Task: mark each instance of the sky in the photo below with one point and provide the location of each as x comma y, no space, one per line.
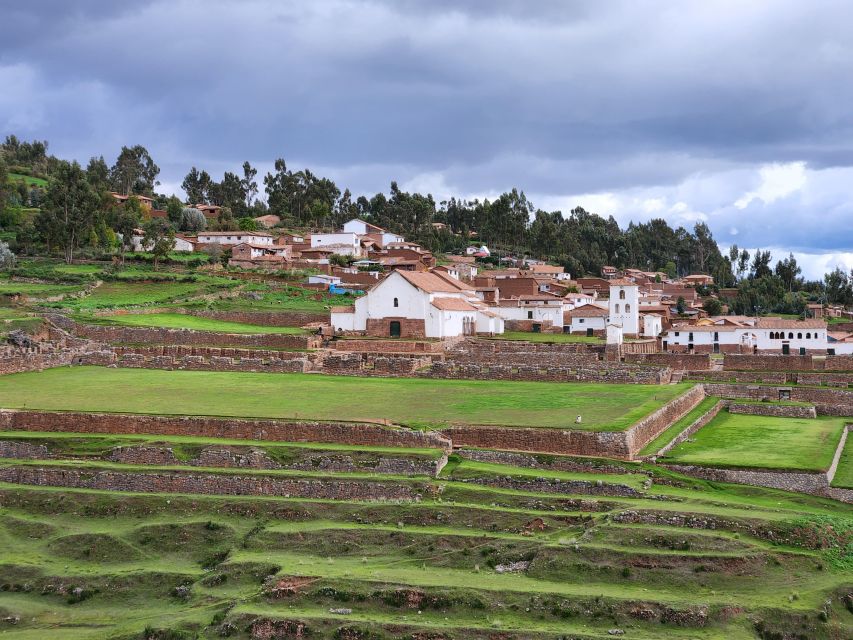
733,113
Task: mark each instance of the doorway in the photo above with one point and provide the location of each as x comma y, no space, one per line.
394,329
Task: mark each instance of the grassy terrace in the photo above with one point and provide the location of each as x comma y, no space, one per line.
844,474
184,321
677,427
85,565
734,440
424,403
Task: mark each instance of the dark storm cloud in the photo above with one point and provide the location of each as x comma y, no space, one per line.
558,98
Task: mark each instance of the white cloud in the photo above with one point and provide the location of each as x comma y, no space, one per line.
777,181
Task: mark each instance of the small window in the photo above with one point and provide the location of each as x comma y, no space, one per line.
627,308
808,336
716,337
676,334
621,294
617,307
799,336
580,320
530,315
690,336
396,302
790,335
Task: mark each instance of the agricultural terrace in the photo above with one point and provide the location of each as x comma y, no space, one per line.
735,440
413,402
185,321
844,473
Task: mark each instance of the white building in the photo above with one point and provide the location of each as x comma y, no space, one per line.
343,243
624,306
181,243
411,304
546,311
589,319
652,325
362,228
748,335
235,237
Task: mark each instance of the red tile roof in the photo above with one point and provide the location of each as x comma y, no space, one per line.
453,304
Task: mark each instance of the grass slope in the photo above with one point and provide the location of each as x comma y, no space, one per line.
735,440
548,337
402,400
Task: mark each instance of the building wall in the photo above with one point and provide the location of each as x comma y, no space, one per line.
629,320
580,325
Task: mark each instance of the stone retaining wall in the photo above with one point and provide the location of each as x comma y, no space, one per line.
656,423
236,428
773,410
768,362
243,457
540,461
557,486
677,361
813,483
827,401
765,377
201,363
209,484
389,346
692,428
190,337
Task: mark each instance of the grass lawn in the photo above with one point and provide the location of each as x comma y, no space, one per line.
288,298
424,403
184,321
844,474
548,337
734,440
666,437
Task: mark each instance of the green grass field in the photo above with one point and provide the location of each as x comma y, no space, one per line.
548,337
404,400
185,321
735,440
844,473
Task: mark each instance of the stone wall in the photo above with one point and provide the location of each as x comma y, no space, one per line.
202,363
839,363
768,363
388,346
677,361
692,428
154,335
773,410
541,461
268,318
244,457
355,433
209,484
557,486
827,401
656,423
765,377
813,483
601,372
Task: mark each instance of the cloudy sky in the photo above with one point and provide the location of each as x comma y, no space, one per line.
736,113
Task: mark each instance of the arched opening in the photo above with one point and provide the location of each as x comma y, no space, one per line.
790,335
799,336
622,294
808,336
396,302
617,307
627,308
